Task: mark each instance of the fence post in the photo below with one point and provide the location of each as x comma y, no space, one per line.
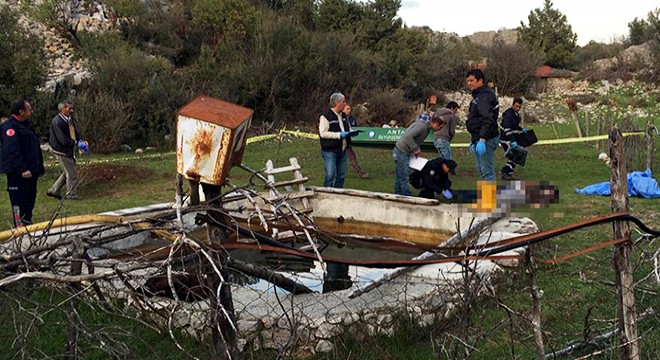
626,311
649,146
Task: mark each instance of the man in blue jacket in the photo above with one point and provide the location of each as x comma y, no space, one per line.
21,160
482,124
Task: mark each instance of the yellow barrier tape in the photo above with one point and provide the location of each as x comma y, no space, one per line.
541,142
256,139
302,134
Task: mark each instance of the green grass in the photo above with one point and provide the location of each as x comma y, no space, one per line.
567,299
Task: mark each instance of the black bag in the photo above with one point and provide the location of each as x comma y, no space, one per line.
518,155
527,139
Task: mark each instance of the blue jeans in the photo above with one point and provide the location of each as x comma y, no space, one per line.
401,172
335,168
443,147
486,162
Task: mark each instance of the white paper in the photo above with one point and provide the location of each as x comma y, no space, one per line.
417,163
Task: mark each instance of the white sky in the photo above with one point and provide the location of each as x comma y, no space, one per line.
602,21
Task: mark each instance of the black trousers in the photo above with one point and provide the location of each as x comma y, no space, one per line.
510,166
23,196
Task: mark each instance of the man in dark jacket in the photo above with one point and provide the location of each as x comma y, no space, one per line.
64,141
433,178
482,124
21,160
509,132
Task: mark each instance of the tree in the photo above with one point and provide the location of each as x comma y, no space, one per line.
549,32
512,66
642,30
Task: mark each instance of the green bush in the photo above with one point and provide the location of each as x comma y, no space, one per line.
103,120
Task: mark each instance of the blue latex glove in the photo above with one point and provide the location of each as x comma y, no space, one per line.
524,130
343,134
471,148
481,148
447,194
82,146
514,144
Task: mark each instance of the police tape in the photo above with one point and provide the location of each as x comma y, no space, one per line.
256,139
541,142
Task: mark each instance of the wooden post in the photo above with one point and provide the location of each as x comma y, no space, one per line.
586,124
71,350
572,106
649,146
626,311
599,126
536,293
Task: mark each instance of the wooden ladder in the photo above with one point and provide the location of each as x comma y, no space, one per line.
293,189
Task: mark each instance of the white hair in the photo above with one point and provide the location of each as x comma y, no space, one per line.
336,98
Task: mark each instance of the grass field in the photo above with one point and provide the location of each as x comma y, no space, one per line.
573,291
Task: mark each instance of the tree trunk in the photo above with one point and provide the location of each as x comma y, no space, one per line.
223,322
626,312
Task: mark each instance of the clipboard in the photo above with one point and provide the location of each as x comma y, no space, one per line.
417,163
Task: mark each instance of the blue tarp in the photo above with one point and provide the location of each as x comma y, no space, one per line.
640,183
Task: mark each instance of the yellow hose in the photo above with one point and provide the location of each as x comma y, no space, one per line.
77,220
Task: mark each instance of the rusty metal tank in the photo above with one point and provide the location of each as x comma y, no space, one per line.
211,135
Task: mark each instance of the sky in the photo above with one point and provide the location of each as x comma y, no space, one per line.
602,21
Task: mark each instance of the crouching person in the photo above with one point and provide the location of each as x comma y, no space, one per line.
434,178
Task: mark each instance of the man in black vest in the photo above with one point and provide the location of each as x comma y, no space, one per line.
334,134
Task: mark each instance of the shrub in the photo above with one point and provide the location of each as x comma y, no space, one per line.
388,105
22,63
104,120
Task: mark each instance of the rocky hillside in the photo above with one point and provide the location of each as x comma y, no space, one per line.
64,63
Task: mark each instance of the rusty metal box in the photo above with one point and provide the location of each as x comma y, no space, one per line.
210,138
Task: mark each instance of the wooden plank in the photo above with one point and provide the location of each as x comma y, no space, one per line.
272,192
381,196
281,215
282,169
293,196
289,182
298,175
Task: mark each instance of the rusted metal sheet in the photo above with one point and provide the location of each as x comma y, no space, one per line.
216,111
211,135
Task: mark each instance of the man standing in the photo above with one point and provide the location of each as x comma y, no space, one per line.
21,160
444,136
509,132
64,141
482,124
350,154
334,134
409,144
